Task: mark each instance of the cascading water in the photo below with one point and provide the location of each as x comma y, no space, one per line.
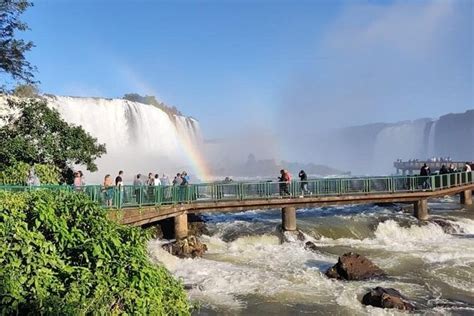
431,140
140,138
404,140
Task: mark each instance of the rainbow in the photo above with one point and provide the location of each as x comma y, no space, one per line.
195,158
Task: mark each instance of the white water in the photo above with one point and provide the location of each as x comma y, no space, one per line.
404,140
139,138
431,140
246,262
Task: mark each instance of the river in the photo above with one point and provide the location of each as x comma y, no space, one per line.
248,271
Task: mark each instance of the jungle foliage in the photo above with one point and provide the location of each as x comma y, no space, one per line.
33,133
151,100
60,255
18,173
13,49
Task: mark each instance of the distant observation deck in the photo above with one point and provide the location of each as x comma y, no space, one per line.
414,166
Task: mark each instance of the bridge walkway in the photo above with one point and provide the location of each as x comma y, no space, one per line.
139,205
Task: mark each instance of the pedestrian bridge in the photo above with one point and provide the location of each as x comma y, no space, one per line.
140,205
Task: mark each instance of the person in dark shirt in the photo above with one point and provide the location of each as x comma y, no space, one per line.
304,183
119,179
425,172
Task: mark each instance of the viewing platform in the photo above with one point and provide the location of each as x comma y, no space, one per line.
412,167
140,205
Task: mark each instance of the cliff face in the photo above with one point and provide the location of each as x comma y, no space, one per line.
454,135
372,148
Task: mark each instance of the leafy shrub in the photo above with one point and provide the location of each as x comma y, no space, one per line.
59,254
17,173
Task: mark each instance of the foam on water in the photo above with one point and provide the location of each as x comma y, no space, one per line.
246,259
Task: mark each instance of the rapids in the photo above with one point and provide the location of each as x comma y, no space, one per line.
247,271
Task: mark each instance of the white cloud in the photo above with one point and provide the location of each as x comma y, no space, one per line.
408,27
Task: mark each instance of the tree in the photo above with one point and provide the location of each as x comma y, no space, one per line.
36,134
12,50
26,91
151,100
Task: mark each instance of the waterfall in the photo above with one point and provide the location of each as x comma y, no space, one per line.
405,140
140,138
431,140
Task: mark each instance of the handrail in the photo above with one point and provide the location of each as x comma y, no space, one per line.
137,196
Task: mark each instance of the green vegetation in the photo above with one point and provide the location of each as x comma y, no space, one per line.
12,50
60,255
36,134
17,174
151,100
26,91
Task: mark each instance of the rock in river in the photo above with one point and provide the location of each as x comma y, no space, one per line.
189,247
352,266
387,298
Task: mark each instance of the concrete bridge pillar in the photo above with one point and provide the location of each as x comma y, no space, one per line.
466,197
288,218
421,209
181,226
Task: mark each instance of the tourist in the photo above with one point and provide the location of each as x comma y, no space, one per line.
165,180
177,180
81,175
32,179
425,172
185,177
119,179
304,183
108,189
452,168
467,167
284,181
156,180
150,181
443,170
138,187
77,182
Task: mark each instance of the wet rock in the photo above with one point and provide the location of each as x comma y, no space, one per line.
193,287
197,229
156,231
292,236
190,247
387,298
448,227
352,266
309,245
197,226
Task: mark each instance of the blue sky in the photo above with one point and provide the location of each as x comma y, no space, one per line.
259,66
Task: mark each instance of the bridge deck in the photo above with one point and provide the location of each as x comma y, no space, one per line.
138,205
149,214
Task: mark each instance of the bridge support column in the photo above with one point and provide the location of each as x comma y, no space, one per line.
421,209
288,218
466,197
181,226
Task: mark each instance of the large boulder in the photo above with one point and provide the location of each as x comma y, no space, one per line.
352,266
387,298
189,247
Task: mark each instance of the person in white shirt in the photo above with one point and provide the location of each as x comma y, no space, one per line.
157,180
467,167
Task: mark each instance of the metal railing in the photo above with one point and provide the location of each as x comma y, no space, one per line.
136,196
